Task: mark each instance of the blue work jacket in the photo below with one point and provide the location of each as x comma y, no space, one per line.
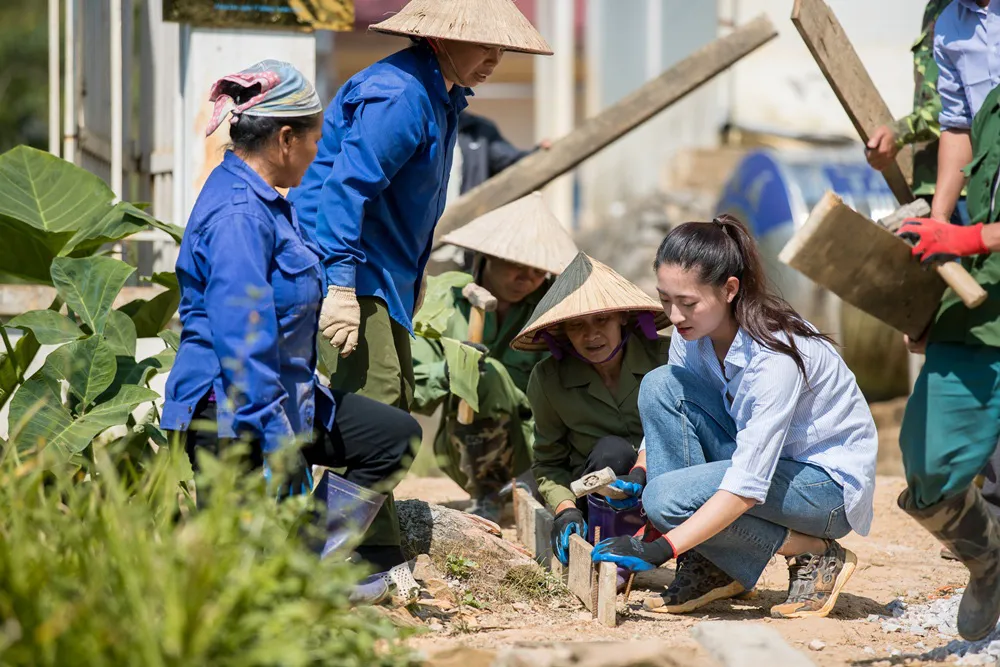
251,286
377,187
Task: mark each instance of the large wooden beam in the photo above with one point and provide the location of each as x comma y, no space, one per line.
847,76
537,169
866,265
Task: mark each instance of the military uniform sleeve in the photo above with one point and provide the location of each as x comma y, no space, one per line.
551,464
922,124
431,380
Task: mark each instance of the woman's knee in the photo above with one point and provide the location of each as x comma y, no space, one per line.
663,386
666,503
613,452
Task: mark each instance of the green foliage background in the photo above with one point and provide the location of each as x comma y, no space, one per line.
23,73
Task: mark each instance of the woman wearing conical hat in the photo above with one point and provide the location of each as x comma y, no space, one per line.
517,246
602,333
373,195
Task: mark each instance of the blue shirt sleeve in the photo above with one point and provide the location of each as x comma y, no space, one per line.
762,409
385,133
236,252
956,113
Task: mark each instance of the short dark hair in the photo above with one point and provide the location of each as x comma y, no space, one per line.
251,134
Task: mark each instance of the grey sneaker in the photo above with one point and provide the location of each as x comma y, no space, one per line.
815,582
488,507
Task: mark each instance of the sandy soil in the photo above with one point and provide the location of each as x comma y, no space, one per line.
898,559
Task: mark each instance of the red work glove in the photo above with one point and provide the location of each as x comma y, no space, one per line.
936,241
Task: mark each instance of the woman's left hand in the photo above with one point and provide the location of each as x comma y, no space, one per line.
632,553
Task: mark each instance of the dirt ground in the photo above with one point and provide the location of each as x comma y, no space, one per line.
898,559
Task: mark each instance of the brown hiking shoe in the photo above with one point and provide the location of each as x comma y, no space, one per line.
815,582
698,581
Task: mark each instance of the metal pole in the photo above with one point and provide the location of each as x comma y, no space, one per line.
69,92
116,97
564,102
654,38
54,105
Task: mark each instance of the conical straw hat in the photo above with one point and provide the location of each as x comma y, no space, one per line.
524,231
490,22
584,288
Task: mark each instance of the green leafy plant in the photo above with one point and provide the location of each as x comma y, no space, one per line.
460,567
52,210
95,364
122,570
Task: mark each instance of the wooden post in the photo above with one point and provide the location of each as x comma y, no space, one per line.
541,167
847,76
580,567
534,525
607,594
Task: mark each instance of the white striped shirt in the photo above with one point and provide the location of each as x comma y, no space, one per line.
822,419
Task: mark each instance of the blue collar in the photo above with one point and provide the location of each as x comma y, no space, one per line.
235,165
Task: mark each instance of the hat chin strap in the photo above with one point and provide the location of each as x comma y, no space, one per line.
440,48
645,322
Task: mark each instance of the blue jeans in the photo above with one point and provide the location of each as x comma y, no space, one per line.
690,440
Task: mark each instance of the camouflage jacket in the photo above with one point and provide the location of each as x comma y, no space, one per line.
921,126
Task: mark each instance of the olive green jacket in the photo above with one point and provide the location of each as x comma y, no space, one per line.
442,324
956,323
921,126
573,409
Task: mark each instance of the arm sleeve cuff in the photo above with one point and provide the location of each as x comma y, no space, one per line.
556,495
342,275
949,122
745,484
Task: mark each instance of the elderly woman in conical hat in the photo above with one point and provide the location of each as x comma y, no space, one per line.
601,331
373,195
518,247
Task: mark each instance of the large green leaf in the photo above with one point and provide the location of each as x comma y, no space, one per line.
121,221
87,365
49,327
152,316
120,334
50,207
139,373
431,321
171,338
89,286
39,419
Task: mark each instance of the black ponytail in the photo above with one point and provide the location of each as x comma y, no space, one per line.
724,249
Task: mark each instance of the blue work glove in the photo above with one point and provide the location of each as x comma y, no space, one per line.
631,484
566,523
298,480
632,553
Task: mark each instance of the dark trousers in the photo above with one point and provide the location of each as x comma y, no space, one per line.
612,452
369,440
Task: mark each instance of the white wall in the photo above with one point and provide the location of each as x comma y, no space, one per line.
780,86
622,56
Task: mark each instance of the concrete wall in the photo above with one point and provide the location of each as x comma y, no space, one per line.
780,86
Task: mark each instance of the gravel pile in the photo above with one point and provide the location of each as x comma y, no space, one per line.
938,618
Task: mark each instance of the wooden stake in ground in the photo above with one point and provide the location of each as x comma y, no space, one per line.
540,167
825,38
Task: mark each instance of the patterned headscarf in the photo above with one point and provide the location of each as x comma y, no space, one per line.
282,92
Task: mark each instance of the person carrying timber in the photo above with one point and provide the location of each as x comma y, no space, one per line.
517,247
920,128
951,425
758,440
601,332
373,195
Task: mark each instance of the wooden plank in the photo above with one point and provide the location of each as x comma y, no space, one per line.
540,167
865,265
607,594
580,568
534,525
851,83
743,644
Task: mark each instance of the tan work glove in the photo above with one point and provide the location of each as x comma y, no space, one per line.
340,319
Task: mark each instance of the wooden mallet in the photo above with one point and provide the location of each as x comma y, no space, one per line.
482,302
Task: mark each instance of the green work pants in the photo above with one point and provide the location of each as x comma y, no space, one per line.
380,368
952,421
